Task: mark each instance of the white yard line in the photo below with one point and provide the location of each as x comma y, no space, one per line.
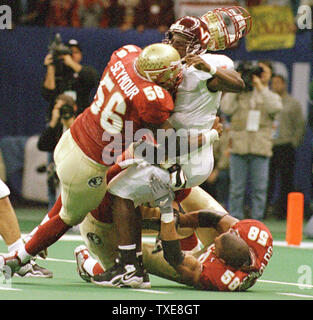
304,286
151,291
9,289
295,295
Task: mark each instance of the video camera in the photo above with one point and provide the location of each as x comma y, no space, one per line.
57,48
247,70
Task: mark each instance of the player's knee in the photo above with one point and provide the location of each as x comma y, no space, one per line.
70,219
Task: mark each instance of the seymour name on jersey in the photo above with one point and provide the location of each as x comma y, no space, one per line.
124,81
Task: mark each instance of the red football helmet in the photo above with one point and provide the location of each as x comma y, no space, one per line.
194,30
227,26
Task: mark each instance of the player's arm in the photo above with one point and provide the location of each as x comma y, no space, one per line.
171,144
226,80
220,221
187,266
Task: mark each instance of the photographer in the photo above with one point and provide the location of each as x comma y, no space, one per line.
62,117
251,129
66,74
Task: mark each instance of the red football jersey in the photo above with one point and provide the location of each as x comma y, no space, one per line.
124,103
216,275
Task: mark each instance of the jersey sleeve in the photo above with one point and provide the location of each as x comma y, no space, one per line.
216,60
219,60
156,105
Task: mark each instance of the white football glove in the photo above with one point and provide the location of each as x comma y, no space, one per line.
163,198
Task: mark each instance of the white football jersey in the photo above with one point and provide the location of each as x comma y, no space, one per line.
195,105
195,108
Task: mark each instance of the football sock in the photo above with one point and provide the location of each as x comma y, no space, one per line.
56,208
18,244
46,235
128,254
92,267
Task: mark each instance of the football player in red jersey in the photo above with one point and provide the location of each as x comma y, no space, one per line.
232,262
235,260
132,91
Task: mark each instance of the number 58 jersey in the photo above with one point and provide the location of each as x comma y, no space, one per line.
124,103
216,275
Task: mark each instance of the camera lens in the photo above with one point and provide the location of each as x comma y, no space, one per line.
66,112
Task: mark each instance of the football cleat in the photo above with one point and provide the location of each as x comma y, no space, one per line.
146,284
33,270
81,255
120,276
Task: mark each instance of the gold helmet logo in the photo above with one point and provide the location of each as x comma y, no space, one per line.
159,63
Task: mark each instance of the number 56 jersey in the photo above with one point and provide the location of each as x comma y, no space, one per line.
216,275
124,103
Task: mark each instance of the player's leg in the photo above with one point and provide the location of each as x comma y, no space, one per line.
127,271
10,232
156,264
198,199
101,252
9,228
83,185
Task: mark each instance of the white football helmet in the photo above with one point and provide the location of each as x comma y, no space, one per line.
161,64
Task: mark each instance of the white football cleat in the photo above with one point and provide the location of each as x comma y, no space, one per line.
33,270
81,255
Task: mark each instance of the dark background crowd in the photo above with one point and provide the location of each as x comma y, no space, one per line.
124,14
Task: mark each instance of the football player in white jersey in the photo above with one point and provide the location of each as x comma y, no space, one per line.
205,77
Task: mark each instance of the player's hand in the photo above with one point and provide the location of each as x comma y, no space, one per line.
147,150
218,126
177,177
162,194
197,62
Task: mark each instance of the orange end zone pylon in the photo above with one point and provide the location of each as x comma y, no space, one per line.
295,207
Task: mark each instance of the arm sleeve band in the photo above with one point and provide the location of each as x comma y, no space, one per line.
210,219
154,224
172,252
